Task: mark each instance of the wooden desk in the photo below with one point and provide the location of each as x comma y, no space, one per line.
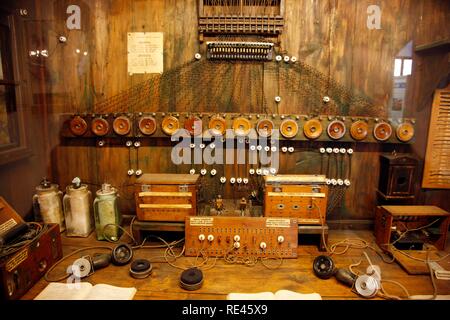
294,274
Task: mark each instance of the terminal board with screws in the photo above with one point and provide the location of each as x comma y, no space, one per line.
241,236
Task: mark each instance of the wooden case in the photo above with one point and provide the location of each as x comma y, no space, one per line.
166,197
389,218
397,176
20,271
296,196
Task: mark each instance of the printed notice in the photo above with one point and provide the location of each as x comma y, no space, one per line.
145,52
16,260
278,223
201,221
5,227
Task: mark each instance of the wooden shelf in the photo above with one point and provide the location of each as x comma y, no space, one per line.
442,45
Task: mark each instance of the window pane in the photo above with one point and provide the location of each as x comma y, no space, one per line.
407,67
5,54
4,126
1,65
398,68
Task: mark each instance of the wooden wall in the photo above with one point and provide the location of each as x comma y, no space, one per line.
331,36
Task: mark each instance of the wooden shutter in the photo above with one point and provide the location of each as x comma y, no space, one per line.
436,173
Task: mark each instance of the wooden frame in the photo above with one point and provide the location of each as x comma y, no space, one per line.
20,148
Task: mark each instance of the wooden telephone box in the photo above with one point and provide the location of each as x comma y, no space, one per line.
166,197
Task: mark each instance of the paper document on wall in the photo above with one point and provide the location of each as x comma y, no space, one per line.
145,52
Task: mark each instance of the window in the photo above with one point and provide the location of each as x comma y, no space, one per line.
12,134
402,67
8,134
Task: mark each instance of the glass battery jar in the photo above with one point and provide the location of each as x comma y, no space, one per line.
77,210
47,203
106,213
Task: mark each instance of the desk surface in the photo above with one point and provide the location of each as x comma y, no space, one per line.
294,274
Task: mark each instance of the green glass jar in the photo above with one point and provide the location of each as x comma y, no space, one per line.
106,213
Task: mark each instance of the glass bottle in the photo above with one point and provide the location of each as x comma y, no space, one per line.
107,214
77,210
48,205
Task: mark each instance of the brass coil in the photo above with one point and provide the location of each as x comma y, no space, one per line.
147,125
170,125
100,127
264,127
289,128
359,130
241,126
122,125
336,129
312,129
217,126
405,132
193,125
382,131
78,126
